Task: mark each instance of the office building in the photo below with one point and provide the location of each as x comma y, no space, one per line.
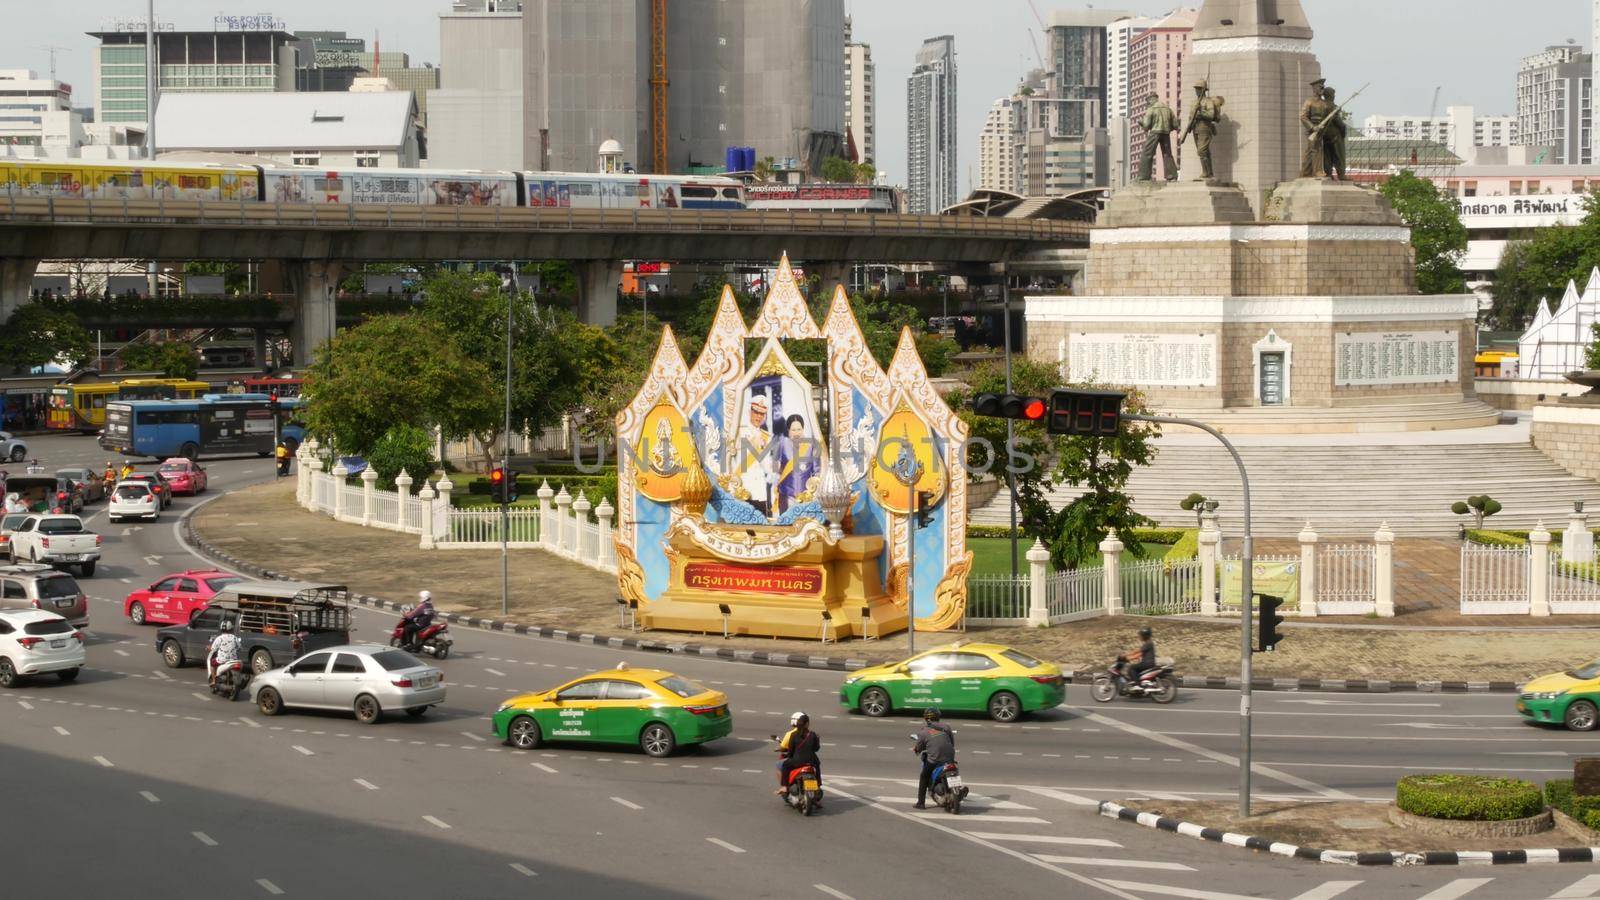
189,62
767,74
333,61
931,136
1553,103
1459,129
37,112
477,110
999,151
328,129
1155,66
1120,35
860,96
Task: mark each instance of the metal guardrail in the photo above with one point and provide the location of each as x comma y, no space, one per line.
15,209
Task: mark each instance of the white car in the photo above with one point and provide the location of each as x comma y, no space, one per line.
134,500
367,679
36,642
12,447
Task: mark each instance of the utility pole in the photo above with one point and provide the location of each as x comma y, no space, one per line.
1011,478
505,456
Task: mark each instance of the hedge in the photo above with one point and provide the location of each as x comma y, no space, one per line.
1496,538
1558,794
1473,797
1186,548
1147,535
1583,806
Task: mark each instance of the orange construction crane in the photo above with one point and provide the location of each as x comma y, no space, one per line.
658,86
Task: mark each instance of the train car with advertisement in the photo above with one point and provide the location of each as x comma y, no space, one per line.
823,197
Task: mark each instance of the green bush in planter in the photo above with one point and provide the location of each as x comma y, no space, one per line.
1558,794
1472,797
1592,819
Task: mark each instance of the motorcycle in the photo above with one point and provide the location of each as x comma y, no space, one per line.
435,639
804,790
1157,684
946,787
232,679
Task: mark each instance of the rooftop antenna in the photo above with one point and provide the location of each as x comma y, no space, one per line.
53,50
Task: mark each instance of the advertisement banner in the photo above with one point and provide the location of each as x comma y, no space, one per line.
1276,579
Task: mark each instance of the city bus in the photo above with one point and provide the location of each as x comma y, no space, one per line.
82,407
284,388
211,425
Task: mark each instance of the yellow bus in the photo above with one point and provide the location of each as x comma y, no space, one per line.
82,407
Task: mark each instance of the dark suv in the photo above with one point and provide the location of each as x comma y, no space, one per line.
42,587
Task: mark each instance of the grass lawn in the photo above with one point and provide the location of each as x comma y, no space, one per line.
992,556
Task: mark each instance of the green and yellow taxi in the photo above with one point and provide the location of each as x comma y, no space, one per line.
1001,681
653,708
1571,698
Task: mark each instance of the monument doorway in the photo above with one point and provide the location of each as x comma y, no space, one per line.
1271,388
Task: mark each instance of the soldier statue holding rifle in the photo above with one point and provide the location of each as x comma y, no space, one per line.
1203,124
1323,121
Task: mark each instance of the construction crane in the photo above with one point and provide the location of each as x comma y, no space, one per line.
658,86
1043,28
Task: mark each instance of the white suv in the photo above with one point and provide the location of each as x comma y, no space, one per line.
133,499
35,642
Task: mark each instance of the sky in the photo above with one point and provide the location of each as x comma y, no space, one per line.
1405,48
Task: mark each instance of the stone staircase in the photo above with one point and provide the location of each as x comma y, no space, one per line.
1348,490
1414,415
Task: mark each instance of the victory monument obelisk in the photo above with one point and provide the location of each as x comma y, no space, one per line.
1255,298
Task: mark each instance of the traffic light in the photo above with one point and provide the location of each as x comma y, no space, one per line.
497,485
1091,413
1010,406
924,510
511,486
1267,635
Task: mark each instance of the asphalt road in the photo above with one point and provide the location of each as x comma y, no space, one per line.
135,781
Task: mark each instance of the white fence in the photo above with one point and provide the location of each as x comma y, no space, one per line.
997,599
1494,580
1574,587
1158,588
561,524
1346,579
1075,594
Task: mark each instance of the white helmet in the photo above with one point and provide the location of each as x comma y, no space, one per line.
795,719
424,597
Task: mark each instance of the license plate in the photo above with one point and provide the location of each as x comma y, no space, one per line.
69,557
954,781
811,784
57,645
63,604
427,682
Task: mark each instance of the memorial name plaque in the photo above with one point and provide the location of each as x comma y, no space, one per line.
1170,360
1405,357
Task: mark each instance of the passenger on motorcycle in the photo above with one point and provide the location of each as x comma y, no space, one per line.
417,619
800,747
224,650
936,743
1145,653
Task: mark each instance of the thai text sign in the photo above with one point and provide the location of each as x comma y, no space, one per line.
709,576
1178,360
1275,579
1407,357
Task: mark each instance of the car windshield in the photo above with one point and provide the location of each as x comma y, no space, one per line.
1020,658
395,660
217,584
1592,670
11,522
48,626
60,526
58,586
683,687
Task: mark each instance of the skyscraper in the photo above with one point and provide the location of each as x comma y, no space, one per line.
860,95
1155,66
931,135
1120,35
1554,106
477,109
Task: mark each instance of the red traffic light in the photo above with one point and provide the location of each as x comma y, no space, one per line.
1033,409
497,475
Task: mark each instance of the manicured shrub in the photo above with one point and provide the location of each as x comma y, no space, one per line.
1558,794
1474,797
1581,805
1187,548
1496,538
1592,819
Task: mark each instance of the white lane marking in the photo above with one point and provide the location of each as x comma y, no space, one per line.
839,895
725,845
200,696
120,652
1189,893
1018,820
1327,890
249,721
162,675
304,750
522,869
475,737
152,560
25,704
495,672
1044,839
1458,888
104,762
366,784
627,803
1361,703
269,887
204,838
1120,863
62,731
437,823
1586,886
150,797
544,768
1198,750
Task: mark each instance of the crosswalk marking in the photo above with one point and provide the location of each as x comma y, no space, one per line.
1044,839
1458,888
1187,893
978,802
1017,820
1327,890
1587,886
1122,863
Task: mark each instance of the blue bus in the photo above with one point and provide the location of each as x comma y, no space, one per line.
212,425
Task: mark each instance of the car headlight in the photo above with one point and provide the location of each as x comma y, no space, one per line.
503,707
851,680
1544,695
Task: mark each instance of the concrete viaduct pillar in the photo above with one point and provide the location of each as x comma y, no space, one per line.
315,283
16,284
598,282
832,273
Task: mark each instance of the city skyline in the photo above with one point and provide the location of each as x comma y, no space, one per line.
1357,40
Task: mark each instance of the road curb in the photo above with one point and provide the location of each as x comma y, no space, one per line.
850,664
1351,857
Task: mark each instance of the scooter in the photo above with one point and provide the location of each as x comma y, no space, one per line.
804,790
946,788
232,679
435,639
1157,684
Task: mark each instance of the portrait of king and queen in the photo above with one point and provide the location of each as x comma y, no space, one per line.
777,449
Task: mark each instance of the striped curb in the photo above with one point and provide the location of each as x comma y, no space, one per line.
849,664
1352,857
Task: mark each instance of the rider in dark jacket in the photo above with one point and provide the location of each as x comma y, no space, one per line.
800,747
936,744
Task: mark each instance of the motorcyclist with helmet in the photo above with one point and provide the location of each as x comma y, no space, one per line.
799,747
224,651
936,744
1144,654
417,619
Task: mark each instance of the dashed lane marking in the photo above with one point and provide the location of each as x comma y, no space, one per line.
104,762
475,737
725,845
249,721
840,895
152,798
626,803
544,768
495,672
204,838
303,750
523,870
62,731
366,784
269,887
25,704
437,823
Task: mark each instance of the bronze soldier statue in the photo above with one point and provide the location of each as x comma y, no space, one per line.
1324,129
1203,123
1336,132
1158,123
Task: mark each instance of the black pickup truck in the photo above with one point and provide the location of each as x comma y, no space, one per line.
276,621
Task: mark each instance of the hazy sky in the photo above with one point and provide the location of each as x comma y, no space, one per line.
1406,48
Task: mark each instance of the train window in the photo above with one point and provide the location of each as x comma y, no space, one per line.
328,184
699,193
582,189
731,193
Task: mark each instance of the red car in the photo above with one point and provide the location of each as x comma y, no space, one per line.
183,475
175,599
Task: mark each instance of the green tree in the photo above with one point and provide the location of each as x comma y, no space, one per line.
1437,235
175,359
1592,355
1541,266
866,172
40,334
838,169
765,168
402,447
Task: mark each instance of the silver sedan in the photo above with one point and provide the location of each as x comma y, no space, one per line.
367,679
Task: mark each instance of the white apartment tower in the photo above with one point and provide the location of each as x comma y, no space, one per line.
860,95
1119,38
1553,103
37,112
999,150
931,135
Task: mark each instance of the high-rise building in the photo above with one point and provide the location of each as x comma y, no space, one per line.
1459,129
931,136
332,61
37,112
860,95
1120,35
1155,66
1553,103
999,153
477,109
189,61
1078,66
767,74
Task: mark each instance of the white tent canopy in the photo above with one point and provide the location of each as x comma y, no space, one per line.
1555,344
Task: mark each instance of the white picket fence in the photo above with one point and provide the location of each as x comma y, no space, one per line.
1574,587
1346,579
483,526
1494,580
1075,594
1158,588
997,599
